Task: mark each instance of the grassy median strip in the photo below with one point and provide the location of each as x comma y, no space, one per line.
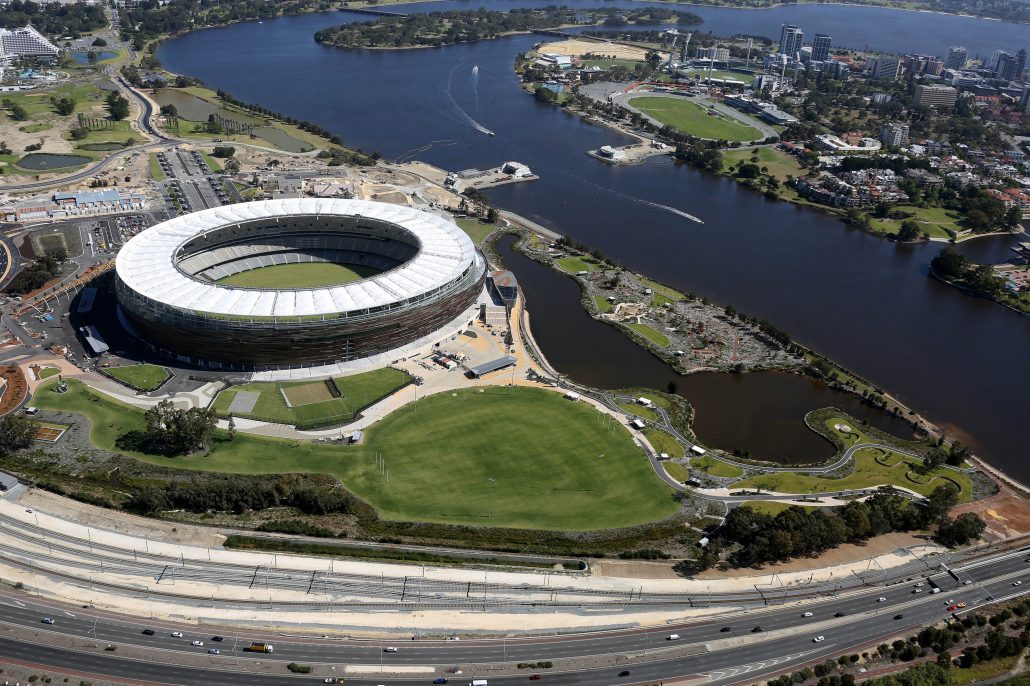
511,457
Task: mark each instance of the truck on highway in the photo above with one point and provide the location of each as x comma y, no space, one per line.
261,648
478,682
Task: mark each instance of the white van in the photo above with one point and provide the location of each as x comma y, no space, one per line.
478,682
672,637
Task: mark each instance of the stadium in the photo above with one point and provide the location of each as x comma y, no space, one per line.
298,283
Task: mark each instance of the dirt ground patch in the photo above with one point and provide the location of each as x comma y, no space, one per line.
110,520
14,390
317,392
633,569
1006,514
846,553
576,47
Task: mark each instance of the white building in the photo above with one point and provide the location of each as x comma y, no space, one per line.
894,134
26,42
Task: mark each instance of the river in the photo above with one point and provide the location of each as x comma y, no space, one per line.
861,301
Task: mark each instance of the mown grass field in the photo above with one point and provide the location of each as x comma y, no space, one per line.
356,392
780,164
663,442
651,334
873,467
476,229
715,467
676,471
936,221
541,451
574,265
156,172
772,507
145,377
645,413
691,118
602,304
305,275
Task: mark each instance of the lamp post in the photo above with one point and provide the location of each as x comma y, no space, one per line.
490,500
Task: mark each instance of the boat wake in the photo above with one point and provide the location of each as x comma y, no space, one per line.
668,209
465,116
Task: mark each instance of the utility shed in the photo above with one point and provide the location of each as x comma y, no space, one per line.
492,366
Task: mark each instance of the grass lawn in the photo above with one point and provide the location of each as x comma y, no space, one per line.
356,392
35,128
645,413
42,101
691,118
936,221
653,335
676,471
145,377
608,64
212,164
663,442
982,671
602,303
476,229
719,74
663,290
873,467
156,172
772,507
574,265
714,467
779,163
540,450
304,275
47,372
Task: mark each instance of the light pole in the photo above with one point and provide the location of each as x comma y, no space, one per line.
490,500
597,475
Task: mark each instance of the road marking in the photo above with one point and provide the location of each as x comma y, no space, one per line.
13,603
720,674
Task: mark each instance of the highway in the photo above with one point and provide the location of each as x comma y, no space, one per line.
723,656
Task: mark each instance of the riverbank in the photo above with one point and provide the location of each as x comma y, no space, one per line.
1022,306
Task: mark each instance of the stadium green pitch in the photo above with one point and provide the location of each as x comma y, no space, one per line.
304,275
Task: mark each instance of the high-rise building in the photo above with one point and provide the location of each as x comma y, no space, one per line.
894,134
26,42
821,47
884,67
995,58
790,40
1024,99
956,58
936,96
933,66
1020,64
1005,67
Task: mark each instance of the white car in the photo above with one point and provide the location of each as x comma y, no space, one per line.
807,614
917,590
672,637
214,651
1017,583
818,639
881,599
176,634
389,649
199,644
967,582
919,584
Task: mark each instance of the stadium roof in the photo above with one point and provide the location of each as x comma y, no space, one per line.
146,263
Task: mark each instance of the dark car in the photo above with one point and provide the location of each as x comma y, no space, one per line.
757,630
148,632
218,638
624,672
898,616
440,680
839,614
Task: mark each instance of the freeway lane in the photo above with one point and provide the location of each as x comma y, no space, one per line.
996,576
731,660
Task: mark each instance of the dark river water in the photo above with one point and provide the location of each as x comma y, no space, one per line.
862,301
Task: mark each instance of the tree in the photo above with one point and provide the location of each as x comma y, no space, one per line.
653,59
16,432
959,531
117,106
909,231
232,166
225,151
18,112
177,432
1013,216
949,263
170,110
491,215
99,43
64,106
79,133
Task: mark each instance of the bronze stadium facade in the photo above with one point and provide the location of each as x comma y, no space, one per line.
428,273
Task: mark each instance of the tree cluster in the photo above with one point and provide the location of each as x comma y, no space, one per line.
952,265
171,431
117,105
445,28
797,532
39,272
151,18
16,432
54,18
227,494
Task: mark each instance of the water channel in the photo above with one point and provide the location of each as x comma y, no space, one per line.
860,300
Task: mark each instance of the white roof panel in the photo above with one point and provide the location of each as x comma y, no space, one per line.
146,263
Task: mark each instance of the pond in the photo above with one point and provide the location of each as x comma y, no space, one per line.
83,57
193,108
45,161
